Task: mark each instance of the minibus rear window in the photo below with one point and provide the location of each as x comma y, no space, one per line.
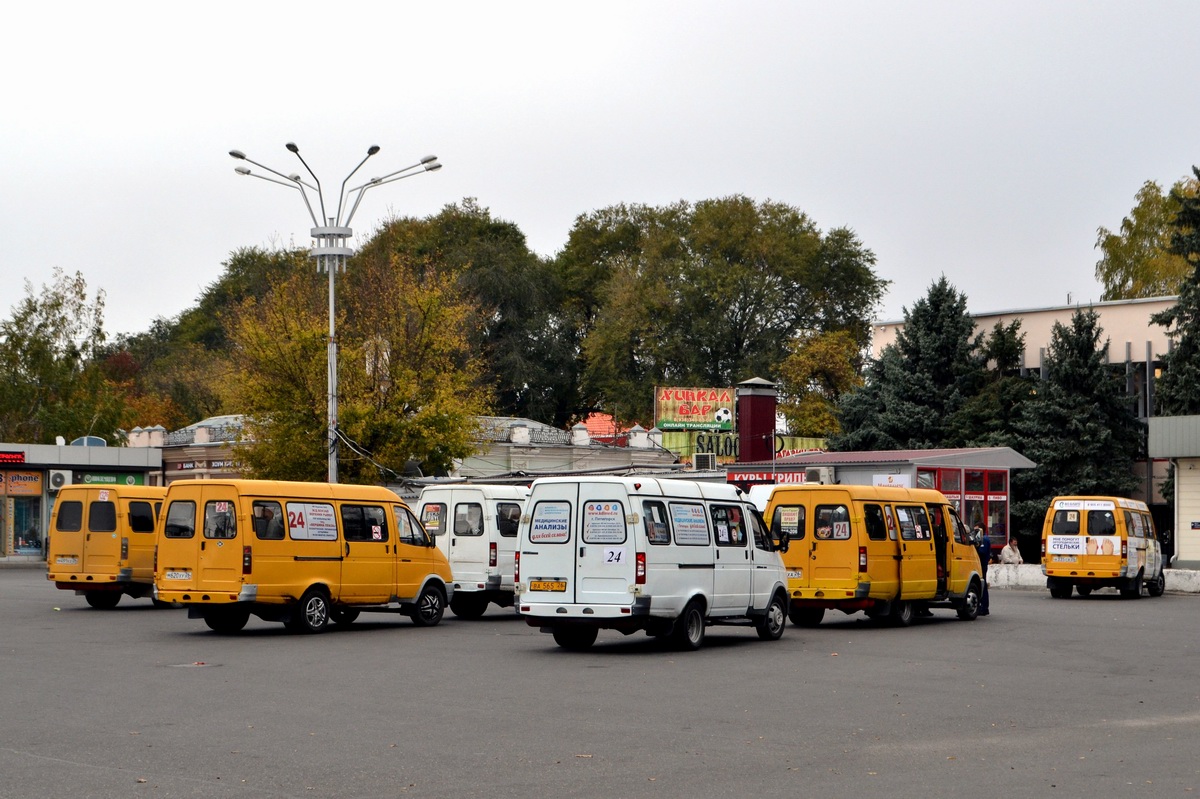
433,517
604,522
832,522
70,517
550,523
1101,522
468,519
102,517
141,517
181,519
788,521
508,518
1066,522
219,519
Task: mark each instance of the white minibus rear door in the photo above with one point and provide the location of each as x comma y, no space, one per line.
547,544
606,553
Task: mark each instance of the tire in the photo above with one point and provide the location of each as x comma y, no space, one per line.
968,610
1133,588
575,638
468,606
1084,590
806,617
343,617
311,614
770,626
902,613
688,634
103,600
1158,585
226,621
1059,591
430,607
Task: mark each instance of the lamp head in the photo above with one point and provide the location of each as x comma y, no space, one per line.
374,148
294,176
428,159
238,154
434,167
241,170
292,147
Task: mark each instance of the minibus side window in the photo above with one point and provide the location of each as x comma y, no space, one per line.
787,521
410,530
876,524
762,538
219,519
1133,524
1066,522
433,517
655,520
908,524
1101,522
70,517
102,517
268,520
181,519
832,522
1148,526
364,523
690,524
730,524
603,522
468,519
960,529
141,517
508,518
891,521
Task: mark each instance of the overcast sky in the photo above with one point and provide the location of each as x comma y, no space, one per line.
983,141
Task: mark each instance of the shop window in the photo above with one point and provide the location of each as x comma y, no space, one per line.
951,481
975,482
997,482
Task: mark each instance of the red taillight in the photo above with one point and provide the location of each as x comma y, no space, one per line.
640,569
1124,548
862,559
492,554
124,549
516,566
247,560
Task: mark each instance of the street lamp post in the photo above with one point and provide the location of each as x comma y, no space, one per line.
331,250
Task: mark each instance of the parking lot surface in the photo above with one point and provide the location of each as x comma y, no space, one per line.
1089,697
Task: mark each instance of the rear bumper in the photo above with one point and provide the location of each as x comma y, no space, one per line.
538,614
248,593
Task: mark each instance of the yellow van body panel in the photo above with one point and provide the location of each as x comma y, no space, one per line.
81,558
210,565
901,558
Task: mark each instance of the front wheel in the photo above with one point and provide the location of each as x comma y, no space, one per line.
770,626
312,614
969,609
689,627
103,600
1158,585
575,638
468,606
431,604
343,616
226,621
902,613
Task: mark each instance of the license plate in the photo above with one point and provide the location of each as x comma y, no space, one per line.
178,575
547,585
1063,558
796,575
66,561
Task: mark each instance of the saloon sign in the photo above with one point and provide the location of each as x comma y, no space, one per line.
694,408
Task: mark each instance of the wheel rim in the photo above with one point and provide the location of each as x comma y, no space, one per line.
972,602
695,626
316,613
775,617
431,605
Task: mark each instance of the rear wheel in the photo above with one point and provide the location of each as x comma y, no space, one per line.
1132,589
311,615
902,613
770,626
1084,590
1061,591
575,638
1158,585
689,627
431,605
103,600
468,606
806,617
226,621
343,616
969,609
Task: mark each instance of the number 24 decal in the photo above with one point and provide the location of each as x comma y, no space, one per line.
614,555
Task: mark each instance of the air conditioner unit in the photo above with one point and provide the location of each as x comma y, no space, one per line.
822,475
59,478
704,461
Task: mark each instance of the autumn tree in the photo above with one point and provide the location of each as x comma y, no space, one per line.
704,294
409,385
819,368
53,382
1138,260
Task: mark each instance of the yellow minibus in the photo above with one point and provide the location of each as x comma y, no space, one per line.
101,542
304,554
891,553
1101,542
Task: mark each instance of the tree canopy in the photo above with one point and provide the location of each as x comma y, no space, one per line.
1138,260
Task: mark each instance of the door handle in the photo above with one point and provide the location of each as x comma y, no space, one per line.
202,546
347,549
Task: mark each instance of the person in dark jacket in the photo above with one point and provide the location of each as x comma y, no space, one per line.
983,545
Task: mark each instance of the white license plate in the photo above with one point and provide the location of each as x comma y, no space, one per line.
796,575
65,561
178,575
1064,558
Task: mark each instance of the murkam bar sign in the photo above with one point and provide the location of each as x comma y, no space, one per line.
693,408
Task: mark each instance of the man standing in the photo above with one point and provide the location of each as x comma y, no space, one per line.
983,545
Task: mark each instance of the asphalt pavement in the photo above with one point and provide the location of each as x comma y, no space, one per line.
1091,697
